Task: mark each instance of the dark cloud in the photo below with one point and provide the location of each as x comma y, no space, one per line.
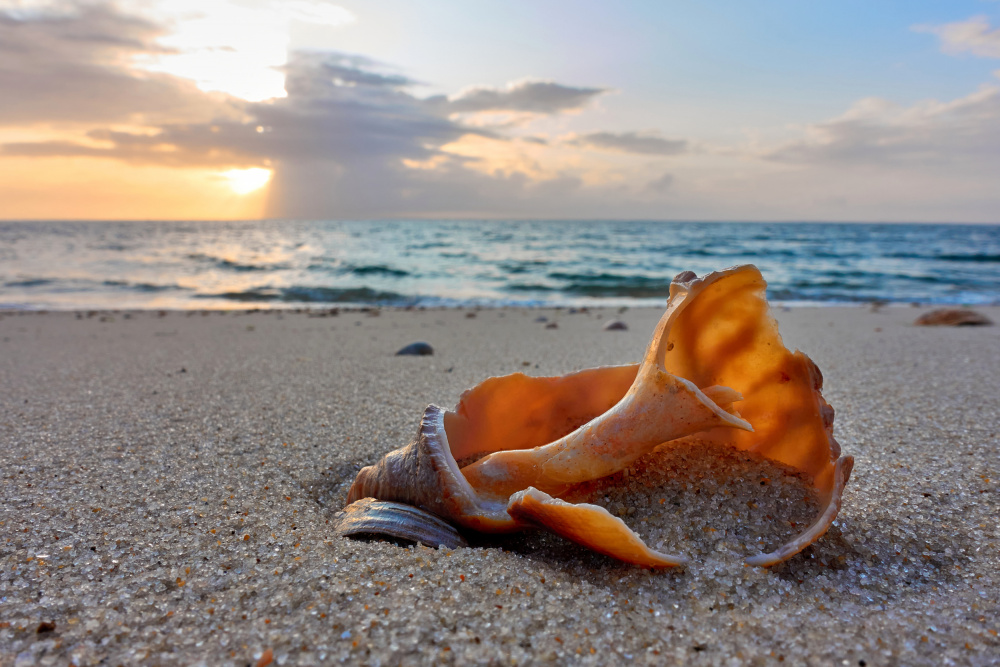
311,73
630,142
543,97
71,64
334,111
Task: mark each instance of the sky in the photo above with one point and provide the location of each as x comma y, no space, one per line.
373,109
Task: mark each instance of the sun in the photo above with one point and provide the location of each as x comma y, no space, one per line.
245,181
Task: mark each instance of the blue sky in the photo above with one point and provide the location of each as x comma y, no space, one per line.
817,55
673,110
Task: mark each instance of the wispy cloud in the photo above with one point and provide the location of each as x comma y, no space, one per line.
543,97
316,12
970,36
631,142
876,132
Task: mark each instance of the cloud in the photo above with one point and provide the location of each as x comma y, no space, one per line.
312,72
334,111
630,142
659,186
338,144
873,132
350,139
971,36
542,97
62,63
317,13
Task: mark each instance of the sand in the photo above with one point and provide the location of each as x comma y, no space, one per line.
168,481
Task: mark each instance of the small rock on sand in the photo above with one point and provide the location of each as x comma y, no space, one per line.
417,349
616,325
953,317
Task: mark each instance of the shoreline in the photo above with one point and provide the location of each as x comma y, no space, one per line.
239,307
327,310
168,483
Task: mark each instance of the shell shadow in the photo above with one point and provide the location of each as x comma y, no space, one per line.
329,490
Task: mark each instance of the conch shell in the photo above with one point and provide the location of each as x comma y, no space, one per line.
530,440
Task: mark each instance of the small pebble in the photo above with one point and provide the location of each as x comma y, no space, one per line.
616,325
417,349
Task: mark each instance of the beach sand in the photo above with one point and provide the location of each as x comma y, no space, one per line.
168,481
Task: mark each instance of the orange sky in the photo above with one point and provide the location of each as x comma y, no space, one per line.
95,188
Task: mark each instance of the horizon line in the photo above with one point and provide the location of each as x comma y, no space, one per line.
511,219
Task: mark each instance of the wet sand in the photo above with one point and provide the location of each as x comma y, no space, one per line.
167,484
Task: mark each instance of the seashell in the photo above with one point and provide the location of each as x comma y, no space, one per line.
953,317
524,442
378,517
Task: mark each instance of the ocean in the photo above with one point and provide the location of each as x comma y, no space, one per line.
280,264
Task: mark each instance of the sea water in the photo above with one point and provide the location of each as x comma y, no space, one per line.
253,264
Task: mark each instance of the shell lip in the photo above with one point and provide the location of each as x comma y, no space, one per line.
818,528
369,518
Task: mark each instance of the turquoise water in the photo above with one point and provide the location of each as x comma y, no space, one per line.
198,265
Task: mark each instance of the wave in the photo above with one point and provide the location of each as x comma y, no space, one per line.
515,267
612,284
312,294
231,265
969,258
948,257
29,282
142,287
332,265
74,285
376,270
818,296
429,245
735,250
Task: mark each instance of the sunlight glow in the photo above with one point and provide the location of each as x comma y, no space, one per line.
245,181
235,48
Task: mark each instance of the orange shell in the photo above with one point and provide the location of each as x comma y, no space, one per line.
715,345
